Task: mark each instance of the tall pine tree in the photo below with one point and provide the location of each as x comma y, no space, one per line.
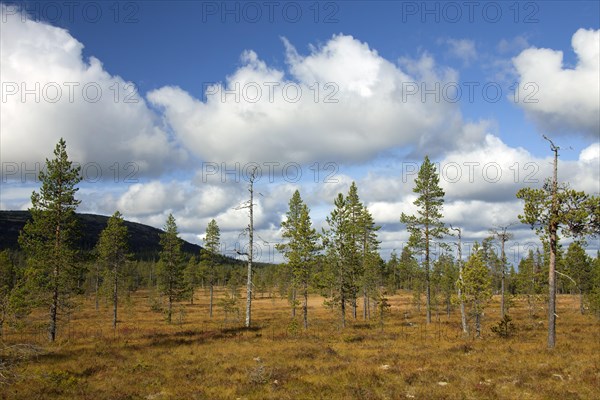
427,225
48,238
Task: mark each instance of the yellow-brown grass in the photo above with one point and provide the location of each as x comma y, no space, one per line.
209,359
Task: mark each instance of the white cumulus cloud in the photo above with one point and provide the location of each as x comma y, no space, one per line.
50,91
560,99
343,103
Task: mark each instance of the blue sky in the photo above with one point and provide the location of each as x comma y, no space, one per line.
375,57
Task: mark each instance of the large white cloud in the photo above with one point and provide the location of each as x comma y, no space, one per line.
49,91
354,104
567,100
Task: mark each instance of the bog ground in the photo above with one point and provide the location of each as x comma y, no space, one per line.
199,358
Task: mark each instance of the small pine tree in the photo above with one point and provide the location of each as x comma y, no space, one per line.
231,310
383,307
212,243
476,286
505,328
593,298
171,267
579,268
191,275
7,285
112,251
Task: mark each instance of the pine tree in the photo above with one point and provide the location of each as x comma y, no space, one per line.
529,282
7,285
48,237
355,228
212,243
426,226
300,250
15,299
408,269
345,250
476,286
491,260
593,298
578,267
290,249
191,277
338,248
112,251
552,210
445,272
393,272
370,260
171,267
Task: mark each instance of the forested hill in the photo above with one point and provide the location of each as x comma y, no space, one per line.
143,239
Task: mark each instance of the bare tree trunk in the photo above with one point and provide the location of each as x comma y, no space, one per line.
552,230
427,283
54,304
251,253
343,307
501,234
502,306
463,314
53,313
552,293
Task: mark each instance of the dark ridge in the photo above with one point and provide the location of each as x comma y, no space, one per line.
143,239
